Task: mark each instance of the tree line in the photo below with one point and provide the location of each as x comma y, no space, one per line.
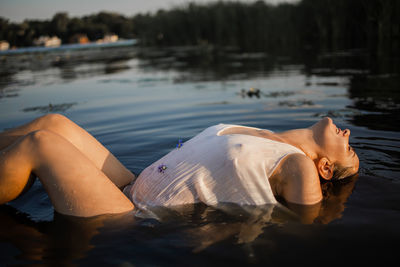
64,27
250,27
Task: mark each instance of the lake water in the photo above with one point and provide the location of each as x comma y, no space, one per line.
140,102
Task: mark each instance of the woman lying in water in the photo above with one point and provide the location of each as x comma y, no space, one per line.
222,164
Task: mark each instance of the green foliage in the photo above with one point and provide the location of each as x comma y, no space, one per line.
64,27
308,25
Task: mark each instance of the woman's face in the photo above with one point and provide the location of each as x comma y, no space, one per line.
335,143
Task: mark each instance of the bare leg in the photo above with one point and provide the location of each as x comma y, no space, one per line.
74,183
80,138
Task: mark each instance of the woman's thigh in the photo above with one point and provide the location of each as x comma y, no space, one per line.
77,136
74,184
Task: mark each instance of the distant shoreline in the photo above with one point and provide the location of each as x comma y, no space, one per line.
41,49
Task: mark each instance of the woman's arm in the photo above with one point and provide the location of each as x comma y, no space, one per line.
298,181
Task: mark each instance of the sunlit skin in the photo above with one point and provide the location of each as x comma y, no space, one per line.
334,145
296,179
84,179
81,177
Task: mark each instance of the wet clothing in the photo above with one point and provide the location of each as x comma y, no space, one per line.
212,168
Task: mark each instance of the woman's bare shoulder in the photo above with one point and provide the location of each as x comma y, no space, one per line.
300,180
300,162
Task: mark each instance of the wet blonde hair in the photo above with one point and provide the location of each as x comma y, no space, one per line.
341,172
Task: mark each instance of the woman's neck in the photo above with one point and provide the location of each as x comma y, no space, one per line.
303,139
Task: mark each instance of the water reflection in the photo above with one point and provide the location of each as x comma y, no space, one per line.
347,113
50,108
7,86
207,63
335,196
141,102
69,239
21,69
380,97
376,99
65,239
372,85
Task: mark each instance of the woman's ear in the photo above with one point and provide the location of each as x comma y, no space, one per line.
325,168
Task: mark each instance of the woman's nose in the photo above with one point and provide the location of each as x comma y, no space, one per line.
346,132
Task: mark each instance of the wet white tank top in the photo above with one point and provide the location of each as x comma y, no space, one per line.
212,168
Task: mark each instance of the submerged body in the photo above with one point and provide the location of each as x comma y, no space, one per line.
225,163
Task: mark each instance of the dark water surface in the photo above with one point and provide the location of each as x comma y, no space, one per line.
139,103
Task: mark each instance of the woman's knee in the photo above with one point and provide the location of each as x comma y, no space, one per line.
44,145
31,142
18,160
41,139
53,121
